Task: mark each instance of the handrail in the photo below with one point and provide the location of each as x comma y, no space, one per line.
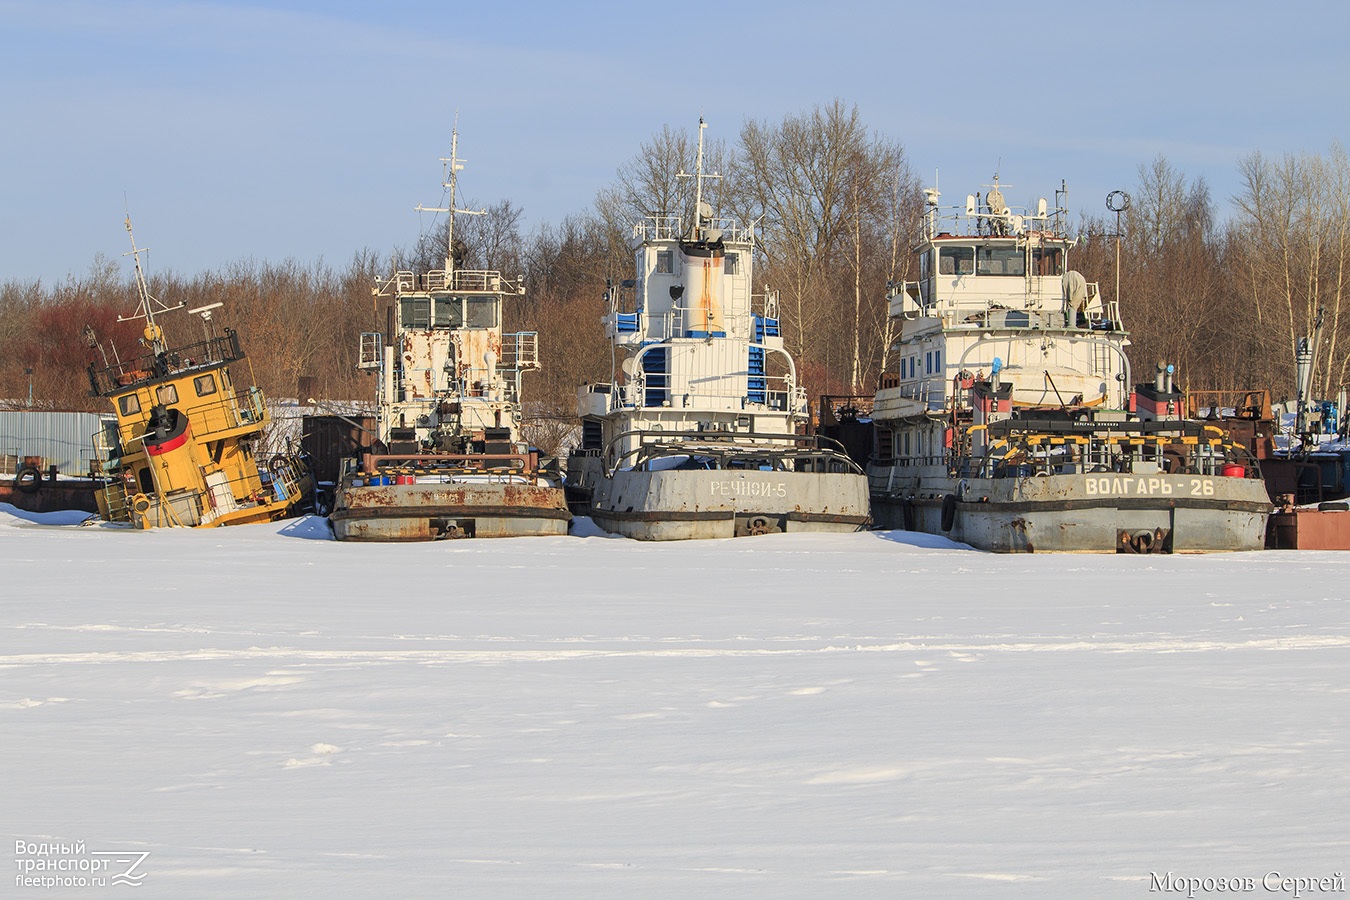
724,441
669,228
1036,451
129,374
468,281
457,462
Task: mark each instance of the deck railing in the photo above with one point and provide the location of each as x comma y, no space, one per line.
469,281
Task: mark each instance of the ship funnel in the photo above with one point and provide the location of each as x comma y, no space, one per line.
703,266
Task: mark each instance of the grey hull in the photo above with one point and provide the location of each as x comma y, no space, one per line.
1084,513
425,512
675,505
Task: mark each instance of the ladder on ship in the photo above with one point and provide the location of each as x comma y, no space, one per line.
757,385
117,500
1101,358
655,372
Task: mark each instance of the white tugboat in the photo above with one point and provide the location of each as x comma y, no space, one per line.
696,434
449,460
1010,423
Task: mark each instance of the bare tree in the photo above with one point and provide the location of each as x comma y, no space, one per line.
655,182
825,187
1292,241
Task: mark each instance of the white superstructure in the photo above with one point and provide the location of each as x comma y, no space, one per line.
1007,417
700,381
448,459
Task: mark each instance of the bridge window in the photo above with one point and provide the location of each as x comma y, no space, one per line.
729,263
166,394
415,312
1002,260
450,312
482,312
205,384
1048,260
956,260
128,404
665,262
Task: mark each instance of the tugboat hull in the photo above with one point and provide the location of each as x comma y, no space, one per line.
675,505
1085,513
428,512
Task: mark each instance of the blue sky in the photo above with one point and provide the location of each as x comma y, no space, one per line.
310,130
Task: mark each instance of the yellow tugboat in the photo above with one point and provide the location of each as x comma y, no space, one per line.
182,450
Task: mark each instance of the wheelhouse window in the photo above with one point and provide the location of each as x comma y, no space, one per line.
1001,261
415,312
665,262
1048,260
729,263
449,312
166,394
956,261
482,312
205,384
129,404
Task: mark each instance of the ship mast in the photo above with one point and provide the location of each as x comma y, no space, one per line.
698,180
451,167
148,305
697,231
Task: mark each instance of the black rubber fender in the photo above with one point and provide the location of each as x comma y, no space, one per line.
948,512
28,479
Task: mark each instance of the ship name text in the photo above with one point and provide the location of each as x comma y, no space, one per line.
749,489
1150,486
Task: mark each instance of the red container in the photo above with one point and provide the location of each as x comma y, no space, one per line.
405,479
1233,470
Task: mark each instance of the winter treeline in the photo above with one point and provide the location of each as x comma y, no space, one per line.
836,206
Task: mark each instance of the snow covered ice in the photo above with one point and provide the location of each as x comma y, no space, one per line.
269,713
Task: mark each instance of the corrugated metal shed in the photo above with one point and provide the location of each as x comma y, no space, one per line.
62,439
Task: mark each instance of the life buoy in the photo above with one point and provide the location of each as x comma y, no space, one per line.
28,479
948,512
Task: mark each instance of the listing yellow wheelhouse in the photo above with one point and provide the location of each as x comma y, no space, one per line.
183,448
